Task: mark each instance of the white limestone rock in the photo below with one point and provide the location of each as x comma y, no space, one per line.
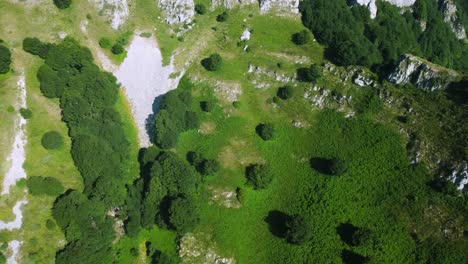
371,4
116,10
288,6
245,35
177,11
449,9
422,74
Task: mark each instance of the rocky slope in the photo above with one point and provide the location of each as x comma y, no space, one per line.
449,9
177,11
422,74
265,6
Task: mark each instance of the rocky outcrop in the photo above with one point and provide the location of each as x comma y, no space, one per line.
177,11
422,74
116,11
265,6
459,176
371,4
449,9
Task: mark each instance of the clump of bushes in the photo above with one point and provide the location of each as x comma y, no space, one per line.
51,84
117,49
213,62
200,9
298,229
5,59
25,113
302,37
50,224
62,4
258,176
285,92
183,214
36,47
222,17
38,185
203,166
52,140
311,74
265,131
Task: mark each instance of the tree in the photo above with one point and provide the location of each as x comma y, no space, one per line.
222,17
105,43
62,4
265,131
337,167
51,84
213,62
52,140
25,113
117,49
207,106
5,59
298,230
36,47
208,167
183,214
195,158
311,74
285,92
302,37
38,185
258,176
200,9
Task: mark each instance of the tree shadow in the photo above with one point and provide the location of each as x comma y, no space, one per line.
350,257
277,223
149,122
346,232
321,165
458,92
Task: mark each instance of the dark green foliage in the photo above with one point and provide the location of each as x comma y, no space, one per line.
222,17
195,158
38,185
51,84
183,214
52,140
133,209
50,224
36,47
200,9
265,131
240,194
117,49
298,230
302,37
62,4
259,176
354,236
174,118
207,106
333,167
2,258
213,62
25,113
208,167
5,59
311,74
285,92
105,43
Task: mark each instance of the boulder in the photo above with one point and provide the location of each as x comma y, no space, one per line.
422,74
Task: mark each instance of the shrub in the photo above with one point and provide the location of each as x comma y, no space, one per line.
200,9
311,74
51,84
222,17
207,106
236,104
50,224
213,62
105,43
285,92
38,185
265,131
191,120
208,167
25,113
62,4
298,230
258,176
195,158
183,215
117,49
52,140
5,59
36,47
302,37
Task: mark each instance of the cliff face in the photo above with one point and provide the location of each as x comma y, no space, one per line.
422,74
177,11
449,9
372,6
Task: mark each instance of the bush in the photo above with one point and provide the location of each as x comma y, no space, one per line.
105,43
195,158
265,131
258,176
208,167
183,215
52,140
298,230
36,47
311,74
51,84
200,9
25,113
38,185
5,59
302,37
50,224
213,62
117,49
285,92
62,4
222,17
207,106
